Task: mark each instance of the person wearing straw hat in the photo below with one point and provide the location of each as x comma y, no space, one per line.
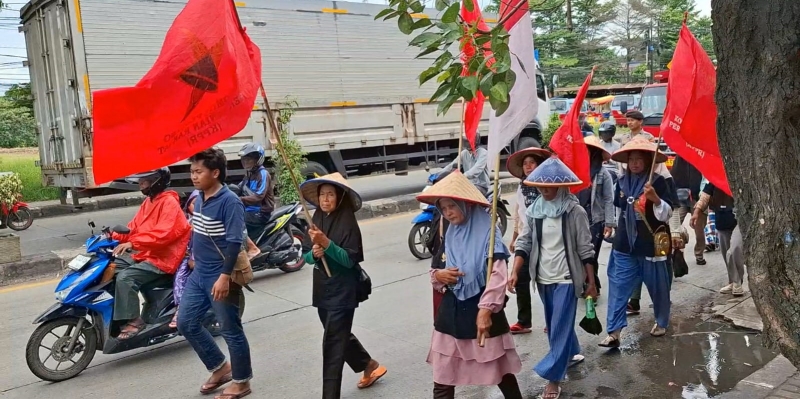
645,208
520,164
556,247
334,234
598,200
472,307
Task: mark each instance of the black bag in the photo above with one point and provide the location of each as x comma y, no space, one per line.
679,266
364,287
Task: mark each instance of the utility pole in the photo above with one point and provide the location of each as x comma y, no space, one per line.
648,53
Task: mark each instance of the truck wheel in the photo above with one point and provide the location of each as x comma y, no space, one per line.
314,169
527,142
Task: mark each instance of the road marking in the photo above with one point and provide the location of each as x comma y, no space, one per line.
387,218
28,285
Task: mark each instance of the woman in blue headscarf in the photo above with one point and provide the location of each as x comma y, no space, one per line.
645,208
187,265
471,308
556,248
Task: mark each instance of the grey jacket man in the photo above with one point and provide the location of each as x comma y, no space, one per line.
577,238
603,199
474,166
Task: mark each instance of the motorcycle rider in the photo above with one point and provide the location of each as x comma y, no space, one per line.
159,235
260,200
607,131
474,165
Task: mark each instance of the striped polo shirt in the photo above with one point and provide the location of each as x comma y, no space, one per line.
217,222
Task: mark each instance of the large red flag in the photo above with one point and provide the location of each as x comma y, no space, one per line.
200,91
473,109
568,142
690,119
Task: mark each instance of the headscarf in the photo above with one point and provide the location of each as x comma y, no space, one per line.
529,193
340,226
632,187
192,197
467,248
543,209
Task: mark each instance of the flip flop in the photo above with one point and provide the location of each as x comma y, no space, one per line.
576,360
375,376
210,387
233,395
138,327
549,396
609,342
657,331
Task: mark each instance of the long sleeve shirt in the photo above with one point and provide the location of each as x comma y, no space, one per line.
474,166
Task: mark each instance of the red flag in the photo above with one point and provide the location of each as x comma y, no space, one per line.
568,142
473,109
690,118
200,91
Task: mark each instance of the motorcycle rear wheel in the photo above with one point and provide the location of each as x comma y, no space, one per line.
21,219
298,237
85,349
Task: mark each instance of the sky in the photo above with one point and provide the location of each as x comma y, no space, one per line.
12,43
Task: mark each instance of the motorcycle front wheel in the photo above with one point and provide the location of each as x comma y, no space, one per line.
47,355
21,219
417,238
298,236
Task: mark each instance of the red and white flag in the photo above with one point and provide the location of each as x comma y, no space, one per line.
689,125
473,109
524,103
200,91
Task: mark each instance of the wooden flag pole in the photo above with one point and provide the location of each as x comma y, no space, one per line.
276,134
460,138
492,232
655,156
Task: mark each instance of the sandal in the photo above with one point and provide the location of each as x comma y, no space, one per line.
136,329
552,395
174,323
519,329
375,376
234,395
211,386
657,331
609,342
576,360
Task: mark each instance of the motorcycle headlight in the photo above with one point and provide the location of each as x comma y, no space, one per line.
61,295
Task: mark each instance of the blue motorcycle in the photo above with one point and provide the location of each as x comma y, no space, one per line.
81,322
423,223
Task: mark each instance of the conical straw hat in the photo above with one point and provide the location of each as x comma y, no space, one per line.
310,189
455,186
514,162
552,173
622,154
594,142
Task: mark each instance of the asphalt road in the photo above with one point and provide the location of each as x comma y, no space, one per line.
395,326
65,232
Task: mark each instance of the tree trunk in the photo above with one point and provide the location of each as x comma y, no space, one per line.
757,45
569,15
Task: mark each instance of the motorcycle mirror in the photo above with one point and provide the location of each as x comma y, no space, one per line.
427,168
120,229
91,223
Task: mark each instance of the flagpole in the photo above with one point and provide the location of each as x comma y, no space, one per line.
655,156
461,137
492,232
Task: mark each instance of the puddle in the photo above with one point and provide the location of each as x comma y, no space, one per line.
700,360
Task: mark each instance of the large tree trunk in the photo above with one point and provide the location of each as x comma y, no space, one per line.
757,45
569,16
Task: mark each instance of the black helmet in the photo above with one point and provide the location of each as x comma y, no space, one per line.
159,181
608,127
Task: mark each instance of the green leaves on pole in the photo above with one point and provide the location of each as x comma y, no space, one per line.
489,73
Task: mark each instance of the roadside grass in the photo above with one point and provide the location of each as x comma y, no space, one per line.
23,162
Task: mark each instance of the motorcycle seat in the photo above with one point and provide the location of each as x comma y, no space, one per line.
282,211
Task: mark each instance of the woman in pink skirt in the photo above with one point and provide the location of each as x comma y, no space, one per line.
470,308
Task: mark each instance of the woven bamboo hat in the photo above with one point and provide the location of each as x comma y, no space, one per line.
552,173
310,189
594,142
637,144
515,160
455,186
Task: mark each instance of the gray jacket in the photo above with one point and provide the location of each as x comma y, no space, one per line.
474,166
577,238
603,199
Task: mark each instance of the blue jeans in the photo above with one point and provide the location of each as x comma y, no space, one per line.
195,303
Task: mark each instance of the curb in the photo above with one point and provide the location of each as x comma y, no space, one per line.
764,381
52,264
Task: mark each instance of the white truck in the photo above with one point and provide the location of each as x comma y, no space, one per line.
361,110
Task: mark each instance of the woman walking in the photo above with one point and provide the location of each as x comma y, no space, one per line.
598,200
520,164
335,235
557,252
471,312
645,209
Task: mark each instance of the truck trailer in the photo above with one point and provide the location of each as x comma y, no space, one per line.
360,109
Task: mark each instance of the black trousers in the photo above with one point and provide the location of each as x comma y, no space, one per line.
597,242
508,386
339,346
523,288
